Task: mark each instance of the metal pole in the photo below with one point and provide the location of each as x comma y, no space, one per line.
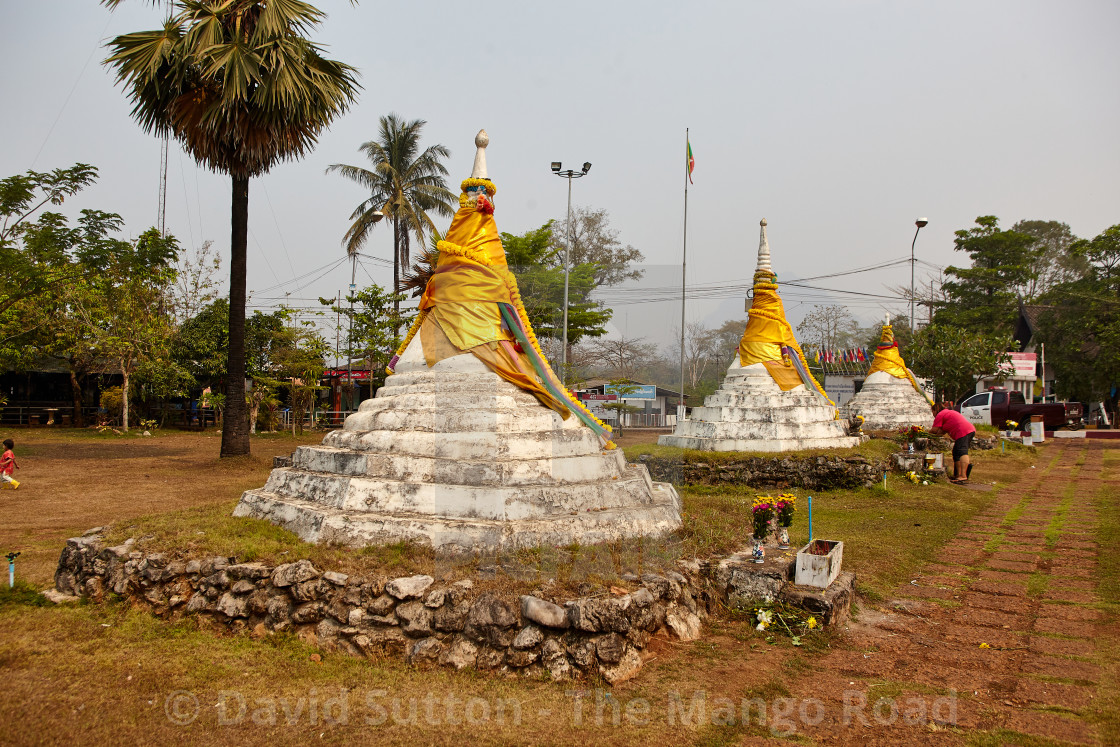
350,335
920,222
567,250
684,263
912,244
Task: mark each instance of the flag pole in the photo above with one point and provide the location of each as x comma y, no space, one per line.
684,258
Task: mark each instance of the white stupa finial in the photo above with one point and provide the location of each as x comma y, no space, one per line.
481,140
763,251
887,319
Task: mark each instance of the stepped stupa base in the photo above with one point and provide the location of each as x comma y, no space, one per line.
888,403
457,458
750,412
319,524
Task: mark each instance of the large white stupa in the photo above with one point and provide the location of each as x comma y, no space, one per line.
768,401
890,397
472,443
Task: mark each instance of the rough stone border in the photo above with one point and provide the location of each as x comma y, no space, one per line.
438,624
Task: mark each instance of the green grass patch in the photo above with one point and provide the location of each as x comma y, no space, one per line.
876,448
22,594
1036,584
1003,737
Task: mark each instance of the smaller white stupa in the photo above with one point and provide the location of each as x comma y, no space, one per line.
768,401
890,397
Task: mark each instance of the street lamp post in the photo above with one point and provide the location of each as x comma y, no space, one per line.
569,174
377,216
920,223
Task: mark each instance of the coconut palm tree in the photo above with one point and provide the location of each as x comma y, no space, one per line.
404,184
240,87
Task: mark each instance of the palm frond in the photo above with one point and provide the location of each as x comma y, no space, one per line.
416,277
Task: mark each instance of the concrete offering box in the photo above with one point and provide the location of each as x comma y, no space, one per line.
818,563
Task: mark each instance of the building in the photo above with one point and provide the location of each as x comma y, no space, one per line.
658,405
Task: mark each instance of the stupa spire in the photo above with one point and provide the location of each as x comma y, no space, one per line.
481,140
763,252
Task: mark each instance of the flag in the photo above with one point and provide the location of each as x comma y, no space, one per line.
817,358
691,164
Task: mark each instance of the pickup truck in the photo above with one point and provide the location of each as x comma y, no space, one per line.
997,406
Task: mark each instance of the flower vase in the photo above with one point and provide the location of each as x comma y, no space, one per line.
759,552
783,538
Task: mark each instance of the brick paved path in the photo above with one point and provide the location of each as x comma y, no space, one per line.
1019,577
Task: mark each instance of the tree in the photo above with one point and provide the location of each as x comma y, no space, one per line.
196,283
127,313
829,328
373,327
621,388
594,241
622,357
985,297
532,259
1056,262
41,259
725,342
953,358
900,327
404,184
1079,323
241,88
298,354
699,350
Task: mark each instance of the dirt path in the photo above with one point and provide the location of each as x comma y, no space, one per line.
1008,620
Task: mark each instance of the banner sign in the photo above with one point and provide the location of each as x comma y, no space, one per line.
1022,366
599,397
335,373
638,391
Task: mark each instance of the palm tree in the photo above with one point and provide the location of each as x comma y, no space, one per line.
403,184
238,85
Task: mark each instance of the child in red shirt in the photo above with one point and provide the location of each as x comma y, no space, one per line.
957,427
8,464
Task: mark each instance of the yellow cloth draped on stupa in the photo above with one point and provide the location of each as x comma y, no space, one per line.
471,304
888,359
767,333
459,310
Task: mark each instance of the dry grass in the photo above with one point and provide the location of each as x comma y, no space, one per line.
90,673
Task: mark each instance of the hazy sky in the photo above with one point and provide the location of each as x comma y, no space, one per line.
839,122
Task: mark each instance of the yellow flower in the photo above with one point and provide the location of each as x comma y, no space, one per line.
811,622
984,645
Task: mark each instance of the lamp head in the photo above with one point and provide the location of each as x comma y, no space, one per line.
586,166
555,167
921,222
377,215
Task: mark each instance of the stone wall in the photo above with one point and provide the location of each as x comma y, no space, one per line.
414,617
809,472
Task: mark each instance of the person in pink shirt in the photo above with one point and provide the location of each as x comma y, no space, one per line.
957,427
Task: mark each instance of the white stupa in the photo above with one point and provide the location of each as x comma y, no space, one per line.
472,443
768,401
890,397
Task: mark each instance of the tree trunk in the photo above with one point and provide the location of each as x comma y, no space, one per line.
254,409
396,264
235,423
124,399
76,394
